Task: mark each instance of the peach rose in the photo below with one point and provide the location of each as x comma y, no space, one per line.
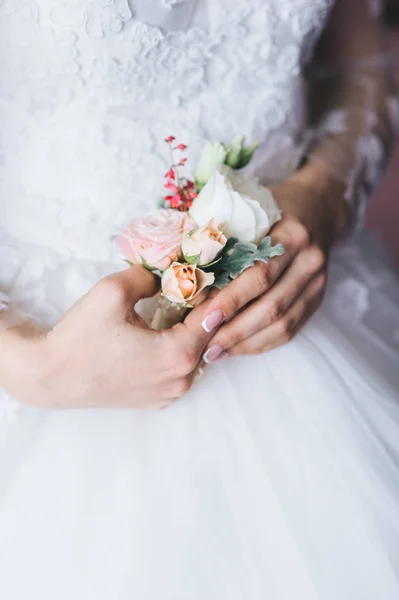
155,239
183,283
205,243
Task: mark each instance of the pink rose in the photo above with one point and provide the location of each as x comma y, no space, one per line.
183,283
205,243
156,238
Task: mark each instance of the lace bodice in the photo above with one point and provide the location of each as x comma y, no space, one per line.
88,91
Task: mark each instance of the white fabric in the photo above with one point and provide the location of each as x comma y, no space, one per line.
277,476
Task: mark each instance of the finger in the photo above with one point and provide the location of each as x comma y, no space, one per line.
274,304
258,279
283,330
193,324
185,342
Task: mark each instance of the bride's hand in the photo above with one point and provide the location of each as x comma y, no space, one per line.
102,354
269,303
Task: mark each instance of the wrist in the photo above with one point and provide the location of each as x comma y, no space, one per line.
22,362
325,199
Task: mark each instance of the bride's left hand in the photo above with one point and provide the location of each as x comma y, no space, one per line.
269,303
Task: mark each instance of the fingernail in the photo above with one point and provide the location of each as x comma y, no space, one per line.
214,319
214,353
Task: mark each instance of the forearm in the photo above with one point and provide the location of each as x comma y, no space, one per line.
354,105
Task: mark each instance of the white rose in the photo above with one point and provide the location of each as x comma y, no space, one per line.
241,207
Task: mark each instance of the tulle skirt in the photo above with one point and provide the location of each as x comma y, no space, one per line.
276,477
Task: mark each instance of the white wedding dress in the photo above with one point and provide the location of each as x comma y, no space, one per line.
277,476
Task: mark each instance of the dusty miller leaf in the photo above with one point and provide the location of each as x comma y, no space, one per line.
244,255
222,279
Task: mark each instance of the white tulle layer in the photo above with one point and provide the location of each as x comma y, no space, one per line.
276,477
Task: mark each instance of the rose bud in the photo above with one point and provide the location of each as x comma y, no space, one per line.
212,157
184,284
204,244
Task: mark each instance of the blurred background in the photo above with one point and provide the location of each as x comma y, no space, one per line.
383,213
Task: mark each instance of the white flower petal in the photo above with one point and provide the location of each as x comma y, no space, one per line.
212,202
238,203
242,224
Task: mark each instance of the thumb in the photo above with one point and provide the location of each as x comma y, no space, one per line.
136,283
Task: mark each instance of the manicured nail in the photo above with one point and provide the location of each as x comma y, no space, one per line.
213,320
214,353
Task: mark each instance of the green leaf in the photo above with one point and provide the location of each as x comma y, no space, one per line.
245,255
211,264
199,185
146,265
234,150
246,155
192,260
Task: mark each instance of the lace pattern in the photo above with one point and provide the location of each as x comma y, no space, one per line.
80,83
100,18
90,88
171,3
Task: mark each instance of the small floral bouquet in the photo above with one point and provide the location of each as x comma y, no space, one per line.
207,232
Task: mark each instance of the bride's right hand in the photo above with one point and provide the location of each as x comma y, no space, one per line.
102,354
